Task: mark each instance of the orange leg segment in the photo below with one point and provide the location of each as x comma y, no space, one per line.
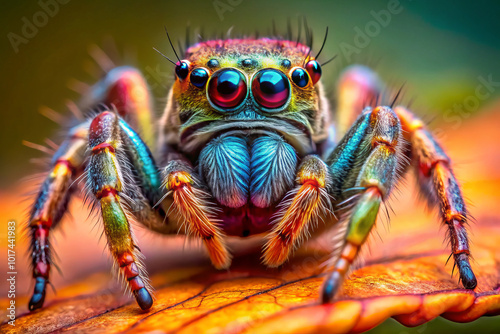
441,188
305,204
192,203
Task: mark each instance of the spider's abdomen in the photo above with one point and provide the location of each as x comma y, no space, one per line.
248,170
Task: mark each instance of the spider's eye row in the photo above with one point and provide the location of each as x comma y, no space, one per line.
300,77
227,88
271,88
199,77
182,69
314,70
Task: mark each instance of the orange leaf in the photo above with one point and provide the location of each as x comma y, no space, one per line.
404,277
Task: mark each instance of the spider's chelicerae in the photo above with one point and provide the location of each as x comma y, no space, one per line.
246,145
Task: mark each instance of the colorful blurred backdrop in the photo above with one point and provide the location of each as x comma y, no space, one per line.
445,53
442,50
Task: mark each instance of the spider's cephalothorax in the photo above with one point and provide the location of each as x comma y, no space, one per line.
245,112
245,146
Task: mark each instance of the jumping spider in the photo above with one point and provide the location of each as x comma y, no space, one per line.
246,145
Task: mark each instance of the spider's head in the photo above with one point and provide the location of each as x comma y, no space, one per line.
250,85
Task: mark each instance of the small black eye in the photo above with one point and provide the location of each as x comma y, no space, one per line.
199,77
248,63
213,63
182,69
286,63
300,77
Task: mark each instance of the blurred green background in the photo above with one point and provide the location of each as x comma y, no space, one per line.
441,50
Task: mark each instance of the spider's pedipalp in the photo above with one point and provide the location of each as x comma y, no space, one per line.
197,213
300,211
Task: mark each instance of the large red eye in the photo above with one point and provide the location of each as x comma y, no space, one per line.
271,88
227,88
314,70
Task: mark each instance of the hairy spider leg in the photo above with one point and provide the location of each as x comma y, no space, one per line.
112,185
300,210
440,187
125,89
69,162
189,196
367,160
51,204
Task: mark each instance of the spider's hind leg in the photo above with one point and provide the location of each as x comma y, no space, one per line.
367,160
358,87
125,89
440,187
51,204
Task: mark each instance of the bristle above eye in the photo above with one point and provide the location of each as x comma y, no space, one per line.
324,42
172,45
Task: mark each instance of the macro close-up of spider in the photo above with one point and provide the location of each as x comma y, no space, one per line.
246,145
280,169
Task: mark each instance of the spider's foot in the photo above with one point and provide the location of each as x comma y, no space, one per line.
331,287
466,274
38,297
136,281
143,298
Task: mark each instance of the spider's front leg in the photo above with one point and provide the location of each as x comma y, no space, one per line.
367,159
121,197
115,147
